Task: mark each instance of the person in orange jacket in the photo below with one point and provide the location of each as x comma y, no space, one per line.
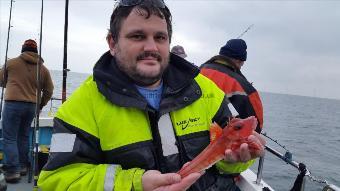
225,70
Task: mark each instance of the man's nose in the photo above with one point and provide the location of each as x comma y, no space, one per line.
150,45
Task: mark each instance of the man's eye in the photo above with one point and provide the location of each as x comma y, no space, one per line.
160,38
137,37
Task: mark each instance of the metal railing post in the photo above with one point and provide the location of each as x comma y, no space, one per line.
259,170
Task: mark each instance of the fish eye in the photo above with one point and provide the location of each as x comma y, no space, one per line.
237,126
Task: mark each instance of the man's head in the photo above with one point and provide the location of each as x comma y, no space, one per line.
29,45
236,49
139,38
179,50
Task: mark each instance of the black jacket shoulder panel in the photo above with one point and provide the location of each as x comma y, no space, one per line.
236,74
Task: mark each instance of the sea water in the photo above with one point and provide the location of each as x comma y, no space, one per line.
308,127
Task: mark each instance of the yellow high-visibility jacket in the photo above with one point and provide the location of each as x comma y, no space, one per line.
106,135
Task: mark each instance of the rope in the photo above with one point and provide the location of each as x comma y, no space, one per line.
314,179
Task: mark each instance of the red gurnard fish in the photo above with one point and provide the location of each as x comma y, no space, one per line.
231,137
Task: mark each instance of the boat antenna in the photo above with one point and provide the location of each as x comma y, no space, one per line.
4,77
244,32
35,135
65,70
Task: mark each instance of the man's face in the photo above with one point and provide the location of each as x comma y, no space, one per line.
142,50
238,63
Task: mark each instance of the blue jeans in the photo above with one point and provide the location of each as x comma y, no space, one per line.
17,118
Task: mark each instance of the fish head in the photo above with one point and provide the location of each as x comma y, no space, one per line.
240,128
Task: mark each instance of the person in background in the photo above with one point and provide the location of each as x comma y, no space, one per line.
225,70
140,116
178,50
19,78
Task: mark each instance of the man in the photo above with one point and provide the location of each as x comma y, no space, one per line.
179,50
140,117
225,70
19,78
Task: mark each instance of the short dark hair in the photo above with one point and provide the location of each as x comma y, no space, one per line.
121,12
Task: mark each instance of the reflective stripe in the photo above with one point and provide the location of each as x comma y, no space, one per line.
232,110
167,134
62,142
109,181
236,93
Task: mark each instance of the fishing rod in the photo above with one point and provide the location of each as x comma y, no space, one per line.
4,80
65,70
37,108
244,32
4,77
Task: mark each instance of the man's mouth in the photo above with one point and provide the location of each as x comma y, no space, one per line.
149,56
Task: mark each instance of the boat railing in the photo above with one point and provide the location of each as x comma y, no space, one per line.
299,184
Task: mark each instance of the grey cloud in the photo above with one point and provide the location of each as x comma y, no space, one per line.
292,47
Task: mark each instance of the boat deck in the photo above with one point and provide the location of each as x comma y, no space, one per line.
23,185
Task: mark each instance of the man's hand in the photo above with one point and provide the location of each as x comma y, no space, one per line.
153,180
247,152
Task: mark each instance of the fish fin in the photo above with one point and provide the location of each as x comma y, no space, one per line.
215,132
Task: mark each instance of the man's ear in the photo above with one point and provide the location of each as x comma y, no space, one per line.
111,43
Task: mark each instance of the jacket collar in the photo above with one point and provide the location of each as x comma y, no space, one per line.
224,61
30,57
120,90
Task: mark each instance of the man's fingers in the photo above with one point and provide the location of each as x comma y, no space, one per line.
186,164
256,145
153,179
186,182
230,156
253,148
260,138
257,141
244,152
169,178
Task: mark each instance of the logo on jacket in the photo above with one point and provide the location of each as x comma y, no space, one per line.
189,123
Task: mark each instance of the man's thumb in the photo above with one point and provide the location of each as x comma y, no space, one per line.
169,178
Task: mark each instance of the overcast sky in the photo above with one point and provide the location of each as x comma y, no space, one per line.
293,46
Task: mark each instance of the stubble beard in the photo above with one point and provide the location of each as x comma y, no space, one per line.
140,77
